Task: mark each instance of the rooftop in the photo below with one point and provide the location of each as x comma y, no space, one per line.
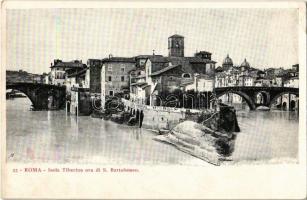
199,60
119,59
164,70
204,52
159,59
162,59
147,56
78,73
70,64
176,36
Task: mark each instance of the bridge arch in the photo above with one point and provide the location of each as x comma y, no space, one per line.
262,98
249,93
273,100
39,94
248,99
24,92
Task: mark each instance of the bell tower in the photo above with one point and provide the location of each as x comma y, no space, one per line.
176,46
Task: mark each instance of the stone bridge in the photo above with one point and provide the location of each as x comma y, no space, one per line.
250,93
42,96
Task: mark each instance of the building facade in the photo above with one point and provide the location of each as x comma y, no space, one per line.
115,76
59,68
158,75
78,100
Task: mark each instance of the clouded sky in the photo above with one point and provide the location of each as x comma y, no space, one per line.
265,37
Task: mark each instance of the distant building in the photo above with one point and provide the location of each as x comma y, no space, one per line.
220,80
37,78
58,69
201,83
278,82
292,82
204,55
263,82
230,76
245,65
46,78
245,75
246,80
23,76
227,63
295,67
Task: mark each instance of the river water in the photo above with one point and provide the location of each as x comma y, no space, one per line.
54,137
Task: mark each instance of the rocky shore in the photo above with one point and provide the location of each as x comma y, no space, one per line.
208,135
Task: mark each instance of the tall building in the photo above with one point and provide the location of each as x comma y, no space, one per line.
95,76
176,46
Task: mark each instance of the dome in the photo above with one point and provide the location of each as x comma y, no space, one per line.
227,61
245,64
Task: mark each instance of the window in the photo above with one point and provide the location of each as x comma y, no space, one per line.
109,68
122,78
59,75
186,75
109,78
123,69
111,93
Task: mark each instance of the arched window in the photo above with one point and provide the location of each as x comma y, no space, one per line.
186,75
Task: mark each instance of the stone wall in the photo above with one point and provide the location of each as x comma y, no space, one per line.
158,117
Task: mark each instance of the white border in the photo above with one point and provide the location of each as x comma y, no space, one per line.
244,181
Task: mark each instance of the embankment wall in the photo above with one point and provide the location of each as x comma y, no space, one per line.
158,117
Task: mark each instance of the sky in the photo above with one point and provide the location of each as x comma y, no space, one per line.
266,37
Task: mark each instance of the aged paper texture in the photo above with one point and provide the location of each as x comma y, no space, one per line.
130,100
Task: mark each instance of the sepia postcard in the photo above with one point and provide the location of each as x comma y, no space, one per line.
153,100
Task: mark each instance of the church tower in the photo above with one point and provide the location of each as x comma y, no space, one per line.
176,46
